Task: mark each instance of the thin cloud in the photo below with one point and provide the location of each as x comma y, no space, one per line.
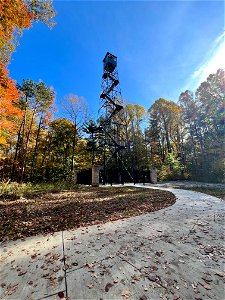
214,60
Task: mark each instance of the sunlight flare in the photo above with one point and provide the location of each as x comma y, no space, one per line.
214,61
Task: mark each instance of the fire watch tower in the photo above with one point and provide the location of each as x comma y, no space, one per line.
112,122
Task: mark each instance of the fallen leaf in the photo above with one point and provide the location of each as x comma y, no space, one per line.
72,238
208,249
207,278
108,286
89,265
66,267
194,285
61,295
143,298
181,261
154,268
220,274
152,277
126,294
207,286
11,289
56,269
22,273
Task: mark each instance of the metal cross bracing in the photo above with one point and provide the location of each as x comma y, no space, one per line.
112,123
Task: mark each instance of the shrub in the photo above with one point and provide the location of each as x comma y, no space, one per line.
14,190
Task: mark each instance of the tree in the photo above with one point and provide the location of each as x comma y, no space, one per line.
59,154
192,132
136,154
10,113
36,101
76,110
16,15
55,153
164,135
164,117
210,97
45,98
94,136
203,119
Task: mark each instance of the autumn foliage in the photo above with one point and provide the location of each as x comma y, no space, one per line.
15,15
10,113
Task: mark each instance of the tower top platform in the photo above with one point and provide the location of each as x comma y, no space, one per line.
109,62
111,56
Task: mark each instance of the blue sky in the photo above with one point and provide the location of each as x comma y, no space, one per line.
163,48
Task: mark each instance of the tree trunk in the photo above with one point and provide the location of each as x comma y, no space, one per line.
26,148
35,150
19,143
73,150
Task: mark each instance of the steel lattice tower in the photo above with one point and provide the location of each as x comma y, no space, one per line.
111,121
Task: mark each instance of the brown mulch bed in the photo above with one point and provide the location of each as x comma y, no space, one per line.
50,212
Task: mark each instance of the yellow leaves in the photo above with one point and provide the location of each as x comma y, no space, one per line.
134,112
15,15
3,140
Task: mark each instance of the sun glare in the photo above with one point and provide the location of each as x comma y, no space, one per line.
213,62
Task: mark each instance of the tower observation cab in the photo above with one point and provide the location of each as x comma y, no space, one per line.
109,62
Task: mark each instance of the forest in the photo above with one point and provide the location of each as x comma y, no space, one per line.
182,139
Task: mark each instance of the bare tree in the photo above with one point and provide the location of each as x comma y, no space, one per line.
75,109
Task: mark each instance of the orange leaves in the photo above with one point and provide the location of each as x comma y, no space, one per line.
8,90
15,15
10,113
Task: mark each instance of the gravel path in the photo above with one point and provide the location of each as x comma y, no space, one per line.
174,253
186,183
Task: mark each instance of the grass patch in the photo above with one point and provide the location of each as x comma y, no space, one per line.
50,212
216,192
14,190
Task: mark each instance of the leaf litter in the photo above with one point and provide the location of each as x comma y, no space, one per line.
50,212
